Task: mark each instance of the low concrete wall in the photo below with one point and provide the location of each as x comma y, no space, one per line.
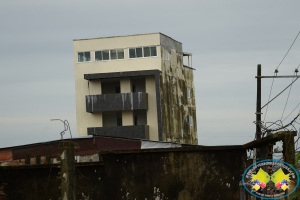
160,174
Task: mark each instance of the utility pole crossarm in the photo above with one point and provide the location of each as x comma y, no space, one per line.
285,76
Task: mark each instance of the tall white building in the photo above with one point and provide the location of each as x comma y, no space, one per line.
135,86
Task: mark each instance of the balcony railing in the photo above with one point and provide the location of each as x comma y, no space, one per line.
116,102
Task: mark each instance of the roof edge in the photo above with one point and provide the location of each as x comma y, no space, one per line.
127,36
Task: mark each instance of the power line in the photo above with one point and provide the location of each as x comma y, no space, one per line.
269,98
288,50
280,93
287,100
291,112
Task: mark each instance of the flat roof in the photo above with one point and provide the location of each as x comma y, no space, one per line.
126,36
86,137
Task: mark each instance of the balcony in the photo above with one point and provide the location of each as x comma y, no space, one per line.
137,131
116,102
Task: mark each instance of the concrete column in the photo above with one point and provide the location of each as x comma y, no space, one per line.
68,173
152,108
127,115
84,119
95,87
125,85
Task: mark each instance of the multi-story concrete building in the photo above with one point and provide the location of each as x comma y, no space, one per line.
135,86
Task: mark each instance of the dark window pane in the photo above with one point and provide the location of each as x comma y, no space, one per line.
98,55
119,121
80,57
153,51
105,55
135,120
87,56
120,53
113,54
139,52
146,51
118,90
132,53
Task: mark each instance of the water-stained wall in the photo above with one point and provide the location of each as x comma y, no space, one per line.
177,107
191,173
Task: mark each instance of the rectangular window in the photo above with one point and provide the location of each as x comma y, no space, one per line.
182,132
98,55
120,53
84,56
179,101
153,51
132,53
141,52
105,55
113,54
188,93
146,51
191,120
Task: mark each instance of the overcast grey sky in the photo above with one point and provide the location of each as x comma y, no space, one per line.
227,38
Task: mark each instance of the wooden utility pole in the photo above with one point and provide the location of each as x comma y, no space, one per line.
258,103
265,151
258,114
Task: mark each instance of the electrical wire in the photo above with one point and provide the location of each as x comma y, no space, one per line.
292,112
280,93
288,50
287,99
269,98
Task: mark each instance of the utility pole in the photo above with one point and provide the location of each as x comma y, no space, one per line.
262,151
258,113
258,103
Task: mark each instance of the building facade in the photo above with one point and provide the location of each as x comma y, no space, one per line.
136,87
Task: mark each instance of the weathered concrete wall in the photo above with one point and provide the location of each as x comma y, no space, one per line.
35,182
160,174
182,175
174,81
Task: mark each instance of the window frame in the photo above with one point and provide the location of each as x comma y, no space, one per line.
83,55
109,50
143,56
